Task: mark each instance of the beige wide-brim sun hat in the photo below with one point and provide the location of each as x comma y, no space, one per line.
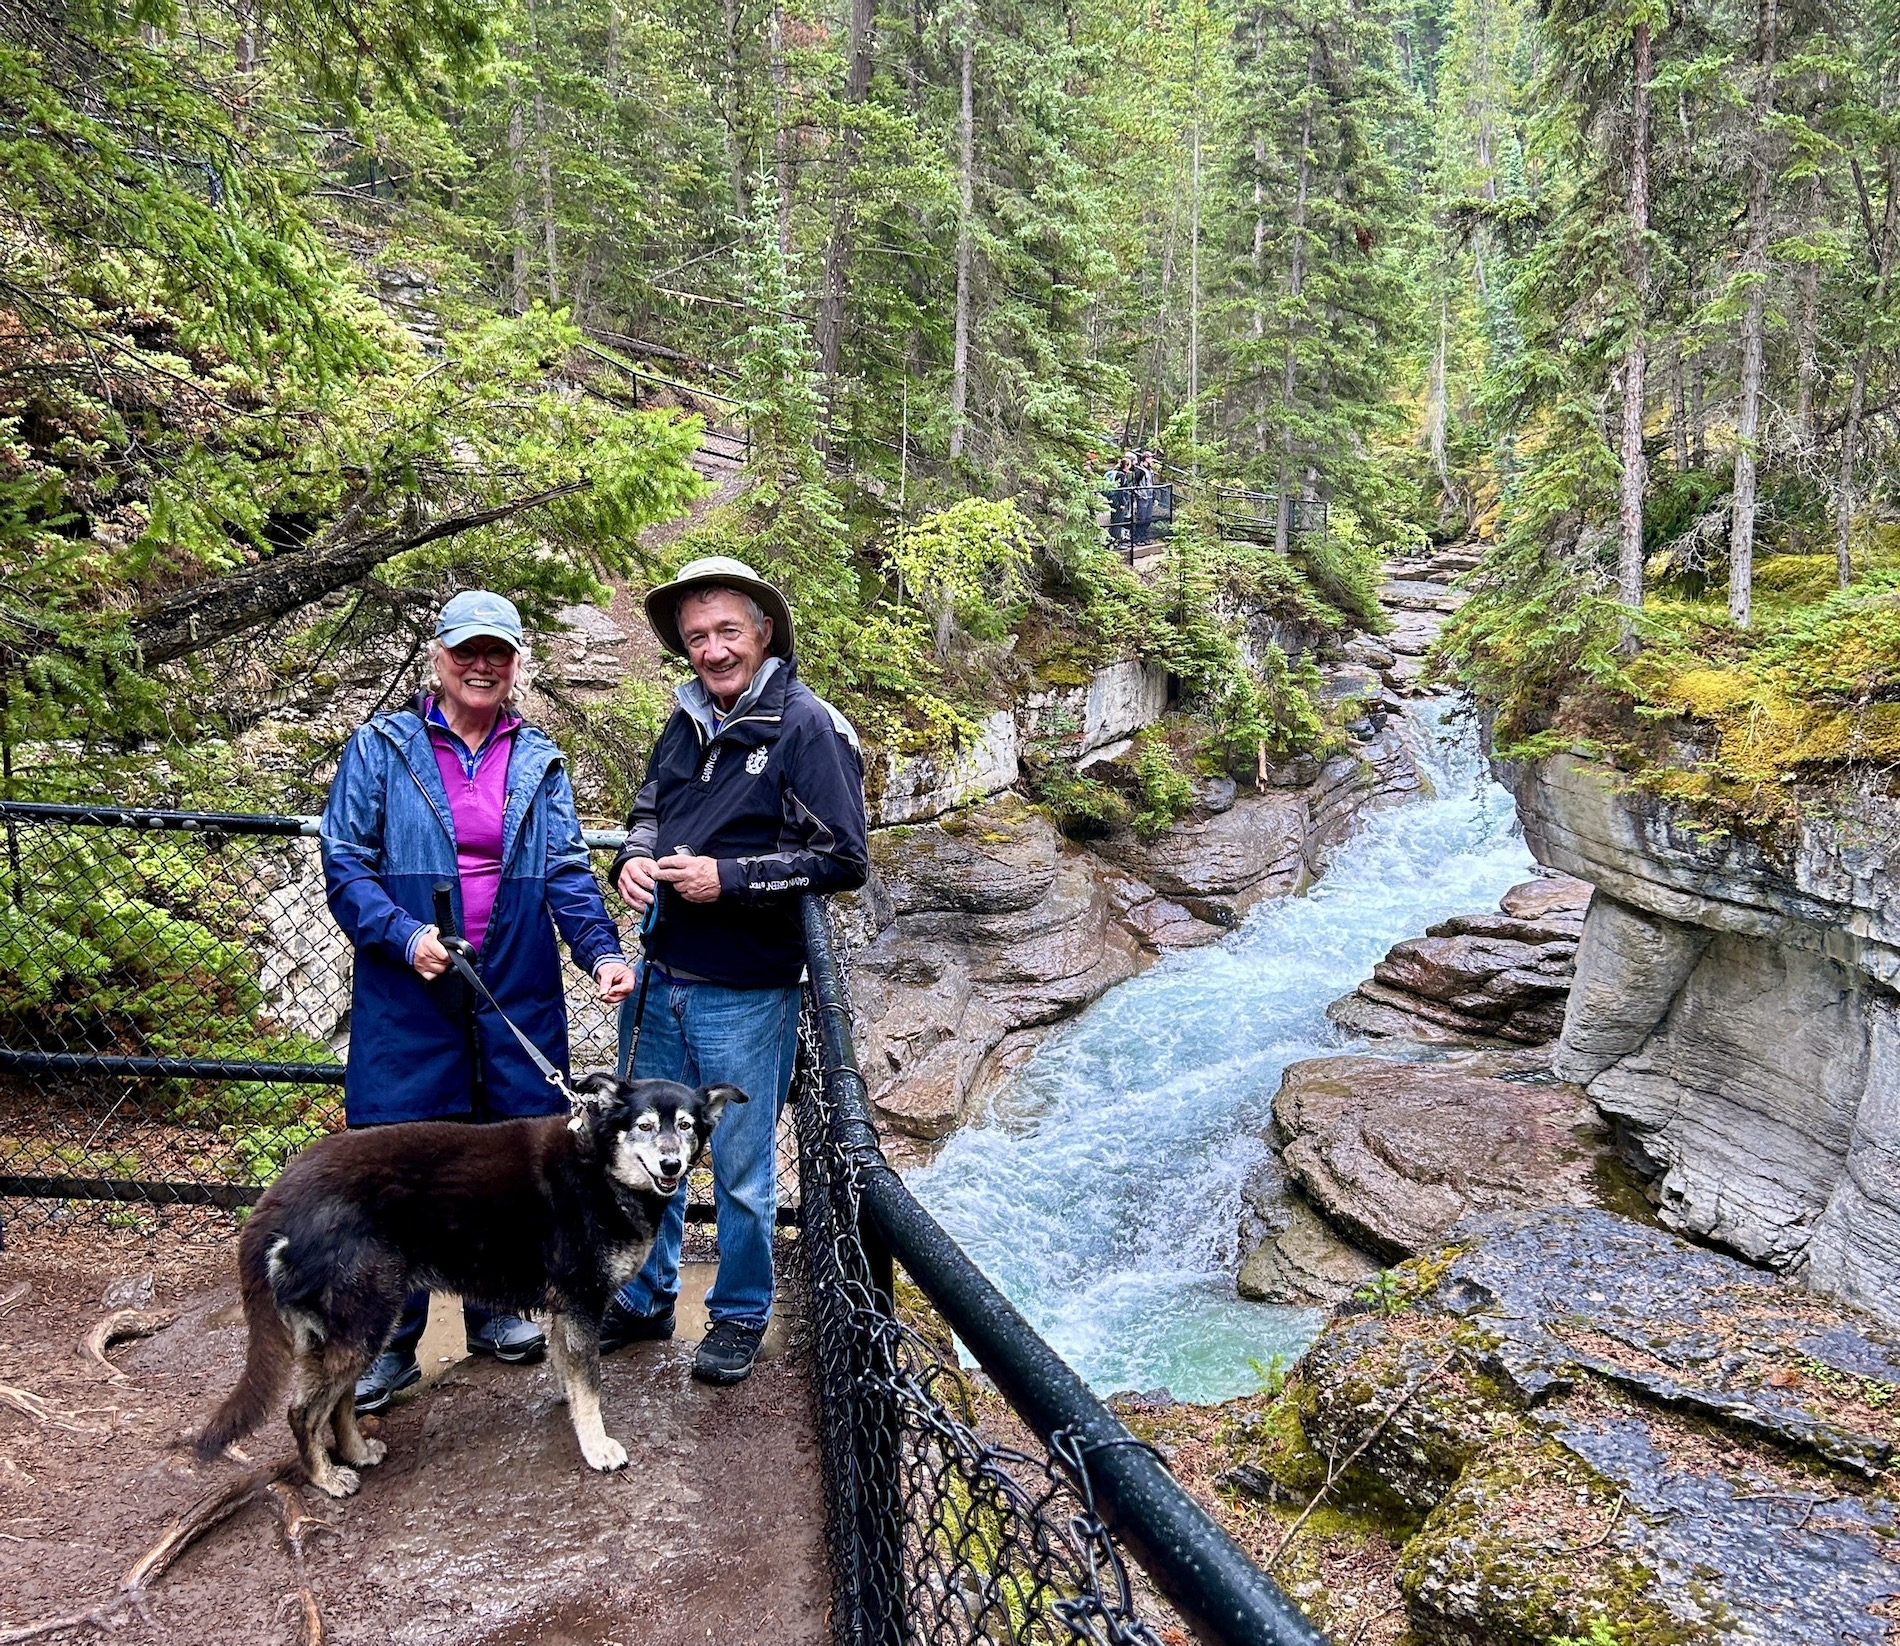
717,571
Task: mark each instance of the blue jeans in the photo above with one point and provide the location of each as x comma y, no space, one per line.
703,1035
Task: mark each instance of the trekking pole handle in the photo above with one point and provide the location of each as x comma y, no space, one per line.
445,910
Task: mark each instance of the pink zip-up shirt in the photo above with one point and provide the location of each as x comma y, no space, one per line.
478,799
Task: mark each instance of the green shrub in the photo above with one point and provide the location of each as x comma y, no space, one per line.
1082,807
1165,793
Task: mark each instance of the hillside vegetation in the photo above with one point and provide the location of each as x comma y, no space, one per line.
313,310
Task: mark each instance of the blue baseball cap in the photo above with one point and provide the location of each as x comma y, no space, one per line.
476,612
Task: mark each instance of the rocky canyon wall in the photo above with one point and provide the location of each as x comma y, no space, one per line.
1736,1014
983,927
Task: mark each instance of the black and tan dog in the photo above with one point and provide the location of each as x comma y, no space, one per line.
525,1214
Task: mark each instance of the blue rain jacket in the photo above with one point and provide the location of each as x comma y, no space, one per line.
388,841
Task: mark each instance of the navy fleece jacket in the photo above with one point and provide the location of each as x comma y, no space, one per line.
775,792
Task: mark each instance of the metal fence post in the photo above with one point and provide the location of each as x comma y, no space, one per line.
880,1445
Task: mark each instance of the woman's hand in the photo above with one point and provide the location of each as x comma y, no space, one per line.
636,882
615,979
431,960
695,878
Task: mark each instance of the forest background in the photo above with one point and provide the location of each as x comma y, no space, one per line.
312,310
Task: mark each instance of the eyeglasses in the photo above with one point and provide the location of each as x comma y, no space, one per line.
496,657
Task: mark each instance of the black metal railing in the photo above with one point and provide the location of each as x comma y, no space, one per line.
1140,517
174,1008
942,1527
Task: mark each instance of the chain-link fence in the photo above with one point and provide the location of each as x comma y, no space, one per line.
174,1010
965,1509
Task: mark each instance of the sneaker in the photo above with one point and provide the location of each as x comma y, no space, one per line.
727,1353
389,1374
510,1339
620,1326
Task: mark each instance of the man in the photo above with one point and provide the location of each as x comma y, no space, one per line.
754,797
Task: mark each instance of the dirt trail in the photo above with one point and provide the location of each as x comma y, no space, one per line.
482,1529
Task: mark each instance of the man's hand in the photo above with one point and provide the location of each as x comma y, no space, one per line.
636,882
695,878
615,979
431,960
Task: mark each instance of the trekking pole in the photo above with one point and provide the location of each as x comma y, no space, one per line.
647,922
451,934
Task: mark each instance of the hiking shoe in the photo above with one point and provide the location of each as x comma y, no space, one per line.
510,1339
727,1352
389,1374
620,1326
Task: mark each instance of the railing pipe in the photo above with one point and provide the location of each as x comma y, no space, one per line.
139,817
1205,1575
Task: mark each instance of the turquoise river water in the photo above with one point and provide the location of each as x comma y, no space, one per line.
1102,1190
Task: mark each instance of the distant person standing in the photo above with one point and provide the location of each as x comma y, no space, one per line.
457,791
1145,474
754,797
1121,498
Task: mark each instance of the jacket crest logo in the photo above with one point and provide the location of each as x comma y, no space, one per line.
755,761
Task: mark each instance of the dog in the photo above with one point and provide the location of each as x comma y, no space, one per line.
522,1214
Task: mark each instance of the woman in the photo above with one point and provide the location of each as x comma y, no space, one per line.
456,793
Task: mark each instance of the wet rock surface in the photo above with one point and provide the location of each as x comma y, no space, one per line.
483,1527
977,927
1479,979
1564,1416
1393,1154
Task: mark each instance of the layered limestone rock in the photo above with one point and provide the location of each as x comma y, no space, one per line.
1238,848
976,927
1478,980
983,928
1735,1013
1379,1159
916,788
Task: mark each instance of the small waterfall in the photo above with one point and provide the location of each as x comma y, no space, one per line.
1102,1192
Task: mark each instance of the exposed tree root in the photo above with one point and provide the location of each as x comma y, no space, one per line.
298,1523
37,1407
133,1593
117,1327
14,1297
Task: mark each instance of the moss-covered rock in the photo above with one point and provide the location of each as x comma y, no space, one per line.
1571,1426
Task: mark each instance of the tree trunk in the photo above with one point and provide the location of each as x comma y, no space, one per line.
966,207
1741,556
1257,323
208,613
733,111
1194,263
829,328
1698,441
1807,324
1678,410
1437,405
781,136
1629,552
549,231
1857,400
518,210
1296,287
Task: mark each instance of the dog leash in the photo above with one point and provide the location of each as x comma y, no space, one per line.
459,951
